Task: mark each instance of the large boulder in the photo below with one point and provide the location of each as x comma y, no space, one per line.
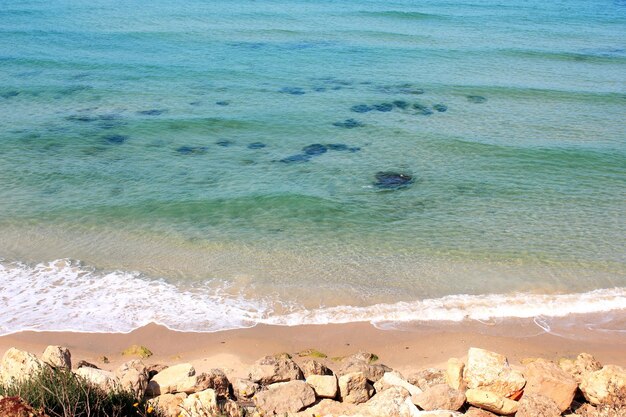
394,379
547,379
168,404
133,376
490,371
491,401
200,404
606,386
177,378
330,408
313,367
57,357
478,412
535,405
355,388
325,386
243,388
577,368
362,362
426,378
216,380
100,378
393,402
18,365
454,373
285,397
272,369
440,397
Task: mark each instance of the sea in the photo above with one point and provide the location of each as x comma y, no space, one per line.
215,164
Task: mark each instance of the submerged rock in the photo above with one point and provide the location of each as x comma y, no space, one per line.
422,109
9,94
401,104
361,108
383,107
151,112
257,145
392,180
224,143
476,99
116,139
296,91
440,107
294,159
222,103
349,124
315,149
191,150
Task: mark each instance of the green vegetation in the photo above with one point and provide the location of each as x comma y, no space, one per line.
60,393
136,350
312,353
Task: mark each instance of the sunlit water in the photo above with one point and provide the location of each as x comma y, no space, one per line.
156,149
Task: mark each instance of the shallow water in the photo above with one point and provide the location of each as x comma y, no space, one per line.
125,135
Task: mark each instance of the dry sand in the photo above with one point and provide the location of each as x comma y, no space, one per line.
234,350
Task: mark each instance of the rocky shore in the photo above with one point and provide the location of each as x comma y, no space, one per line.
305,384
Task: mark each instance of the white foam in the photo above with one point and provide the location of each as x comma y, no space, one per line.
63,295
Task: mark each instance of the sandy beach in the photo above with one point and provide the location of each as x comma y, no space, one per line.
235,350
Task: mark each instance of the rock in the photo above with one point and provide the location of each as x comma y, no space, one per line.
422,109
216,380
177,378
355,388
535,405
361,108
152,112
313,367
583,364
440,397
490,371
18,365
329,408
257,145
491,401
325,386
361,362
154,369
168,404
545,378
115,139
57,357
401,104
285,397
393,402
222,103
272,369
426,378
295,91
17,407
394,379
315,149
606,386
137,350
440,107
349,124
104,380
476,99
478,412
224,143
384,107
200,404
244,388
454,373
392,180
133,376
191,150
296,159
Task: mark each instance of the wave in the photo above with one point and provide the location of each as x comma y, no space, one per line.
65,295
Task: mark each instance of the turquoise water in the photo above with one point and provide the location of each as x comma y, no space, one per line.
127,171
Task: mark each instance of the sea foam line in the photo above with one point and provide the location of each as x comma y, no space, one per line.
64,295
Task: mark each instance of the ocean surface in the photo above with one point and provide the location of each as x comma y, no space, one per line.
156,162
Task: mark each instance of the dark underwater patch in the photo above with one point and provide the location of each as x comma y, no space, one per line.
383,107
115,139
476,99
152,112
315,149
257,145
440,107
390,180
191,150
361,108
224,143
295,91
296,159
349,124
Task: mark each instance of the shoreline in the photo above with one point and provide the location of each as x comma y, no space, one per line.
235,350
